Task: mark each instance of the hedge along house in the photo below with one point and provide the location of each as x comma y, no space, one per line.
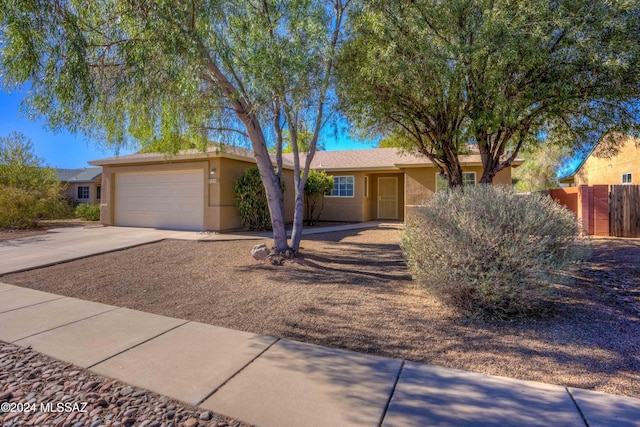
82,185
194,190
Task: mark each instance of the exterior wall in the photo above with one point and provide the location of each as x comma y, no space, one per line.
70,191
599,170
420,183
350,209
219,175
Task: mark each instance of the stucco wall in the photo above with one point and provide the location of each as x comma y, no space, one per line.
220,212
602,169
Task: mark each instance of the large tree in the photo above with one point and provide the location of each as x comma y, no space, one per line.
168,74
498,74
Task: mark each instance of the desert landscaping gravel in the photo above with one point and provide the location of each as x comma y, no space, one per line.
352,290
36,390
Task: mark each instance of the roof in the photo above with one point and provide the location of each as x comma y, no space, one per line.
367,159
379,159
78,175
228,151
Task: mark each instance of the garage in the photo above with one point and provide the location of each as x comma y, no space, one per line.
167,199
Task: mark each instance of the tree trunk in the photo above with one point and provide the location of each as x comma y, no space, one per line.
296,232
270,181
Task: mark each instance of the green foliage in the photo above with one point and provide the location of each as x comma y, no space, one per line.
251,201
499,74
166,74
491,252
88,212
28,189
317,185
540,167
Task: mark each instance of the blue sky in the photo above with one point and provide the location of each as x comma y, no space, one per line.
65,150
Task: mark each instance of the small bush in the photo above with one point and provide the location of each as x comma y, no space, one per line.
251,200
88,212
317,185
490,252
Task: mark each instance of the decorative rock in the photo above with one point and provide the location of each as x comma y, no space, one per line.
205,416
191,422
126,391
260,252
96,423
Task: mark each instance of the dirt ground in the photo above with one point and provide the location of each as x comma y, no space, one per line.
352,290
43,226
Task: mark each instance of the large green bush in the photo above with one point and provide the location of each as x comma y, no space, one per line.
88,212
490,252
28,189
251,200
21,208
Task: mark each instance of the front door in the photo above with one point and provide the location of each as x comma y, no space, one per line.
388,197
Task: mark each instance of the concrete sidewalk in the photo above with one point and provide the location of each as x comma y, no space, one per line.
276,382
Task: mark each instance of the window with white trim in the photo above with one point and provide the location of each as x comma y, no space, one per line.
83,192
468,179
626,178
342,186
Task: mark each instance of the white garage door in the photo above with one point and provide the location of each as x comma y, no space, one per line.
172,200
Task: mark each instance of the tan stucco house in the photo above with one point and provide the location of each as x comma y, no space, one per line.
609,163
82,185
194,190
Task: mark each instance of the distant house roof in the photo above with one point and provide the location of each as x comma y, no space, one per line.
78,175
367,159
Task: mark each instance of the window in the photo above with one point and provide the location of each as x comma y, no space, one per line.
98,192
366,186
468,179
626,178
83,192
342,186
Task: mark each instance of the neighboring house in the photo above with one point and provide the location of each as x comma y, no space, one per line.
609,163
82,185
194,190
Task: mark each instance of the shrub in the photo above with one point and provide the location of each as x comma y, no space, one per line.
490,252
21,208
251,200
88,212
317,185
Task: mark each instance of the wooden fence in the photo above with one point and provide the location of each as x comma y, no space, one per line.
624,210
604,210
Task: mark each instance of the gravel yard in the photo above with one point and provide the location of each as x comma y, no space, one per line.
41,391
351,290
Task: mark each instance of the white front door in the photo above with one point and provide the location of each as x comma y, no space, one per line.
388,197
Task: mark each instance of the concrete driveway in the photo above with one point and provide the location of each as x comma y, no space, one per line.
64,244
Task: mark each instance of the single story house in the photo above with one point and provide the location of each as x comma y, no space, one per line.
82,185
193,190
609,163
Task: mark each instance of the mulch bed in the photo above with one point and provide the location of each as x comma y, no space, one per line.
352,290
